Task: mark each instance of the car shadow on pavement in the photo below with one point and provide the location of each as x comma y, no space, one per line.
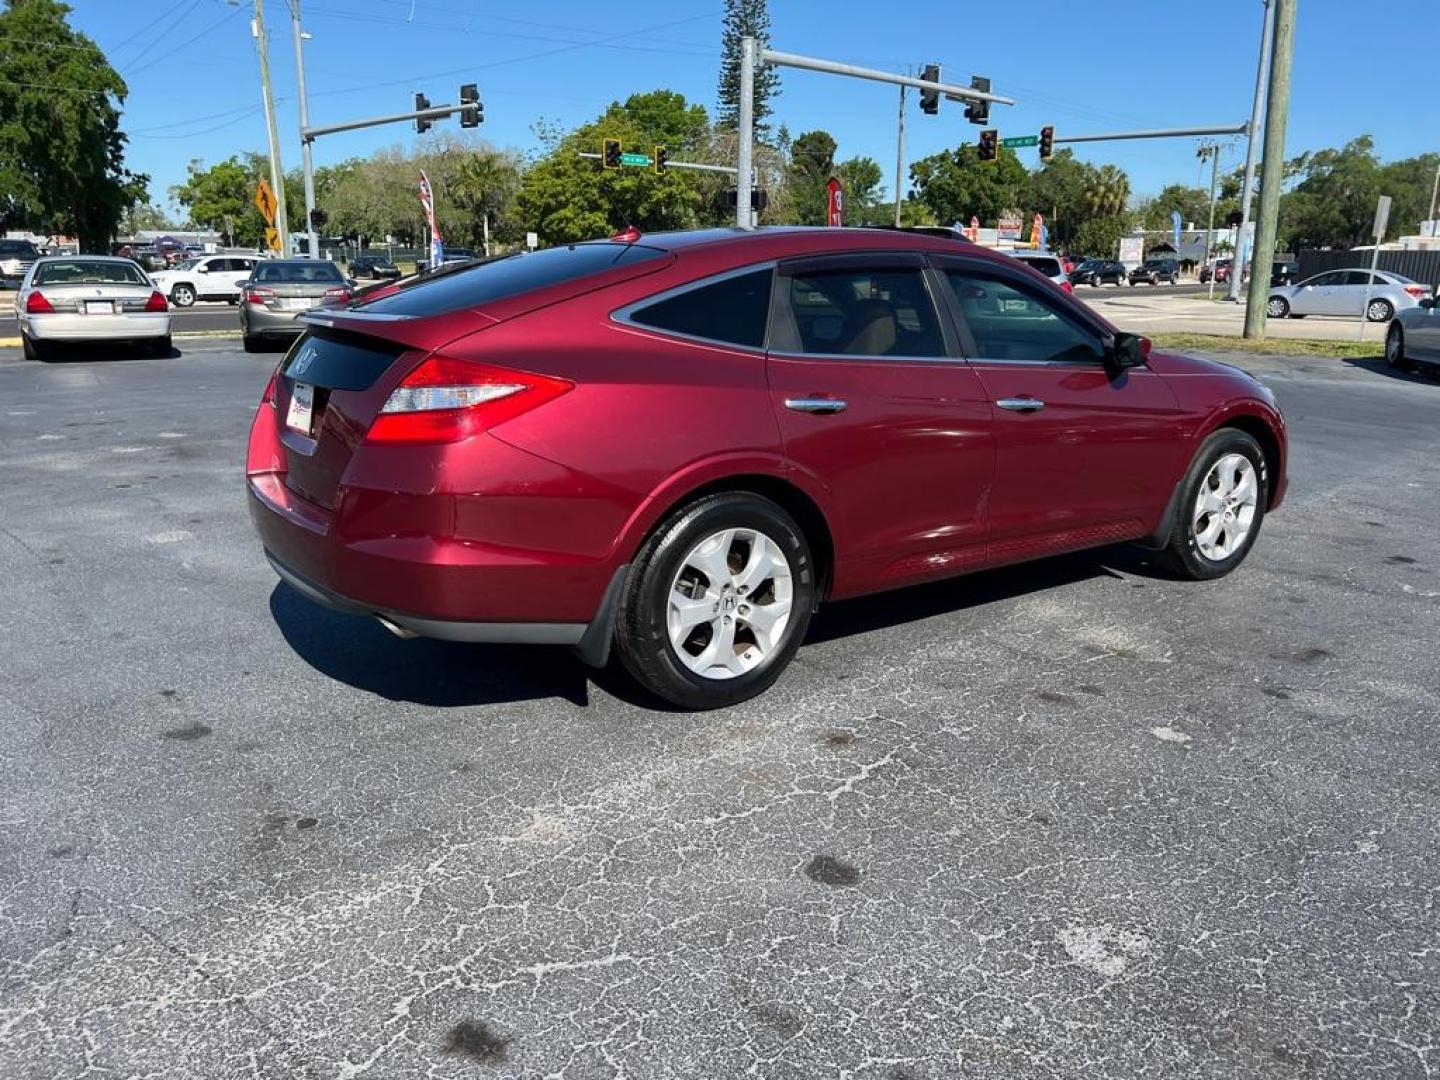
361,653
1420,373
884,610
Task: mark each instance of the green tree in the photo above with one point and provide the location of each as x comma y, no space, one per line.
1192,202
62,153
566,198
812,163
862,177
1057,190
144,216
1100,236
956,185
1107,191
1333,202
745,18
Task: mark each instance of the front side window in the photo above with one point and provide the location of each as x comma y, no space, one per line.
1011,323
859,312
733,310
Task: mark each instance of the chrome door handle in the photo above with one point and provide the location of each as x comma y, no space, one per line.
816,405
1021,404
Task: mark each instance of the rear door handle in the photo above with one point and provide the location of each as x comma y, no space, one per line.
1021,404
818,406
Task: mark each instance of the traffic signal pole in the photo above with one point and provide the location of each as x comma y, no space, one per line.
1247,191
1155,133
899,155
306,165
752,56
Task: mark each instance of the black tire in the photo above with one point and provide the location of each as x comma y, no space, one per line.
252,344
642,638
36,350
1182,554
1379,310
182,295
1277,307
1395,348
161,346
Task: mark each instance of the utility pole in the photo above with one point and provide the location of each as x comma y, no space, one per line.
1272,172
1237,264
744,158
899,155
1213,149
1434,192
306,166
277,172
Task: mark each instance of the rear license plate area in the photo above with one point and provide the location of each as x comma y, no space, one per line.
99,307
301,414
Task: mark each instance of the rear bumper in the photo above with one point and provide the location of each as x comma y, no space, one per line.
139,326
256,321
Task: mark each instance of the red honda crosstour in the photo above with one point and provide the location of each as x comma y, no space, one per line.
679,445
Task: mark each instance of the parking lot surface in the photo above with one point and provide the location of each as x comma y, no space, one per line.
1072,819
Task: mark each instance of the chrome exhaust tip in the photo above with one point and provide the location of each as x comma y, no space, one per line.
395,628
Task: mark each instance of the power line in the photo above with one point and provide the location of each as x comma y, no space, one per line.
163,15
49,44
51,86
199,119
188,41
249,112
180,17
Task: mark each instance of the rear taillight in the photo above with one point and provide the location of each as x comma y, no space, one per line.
336,296
36,304
445,400
1417,291
268,397
157,302
1065,286
259,296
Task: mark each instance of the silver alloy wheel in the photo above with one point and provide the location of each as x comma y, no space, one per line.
1276,308
1378,311
730,603
183,295
1224,510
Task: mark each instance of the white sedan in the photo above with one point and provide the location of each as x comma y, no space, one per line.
89,298
1346,292
1414,336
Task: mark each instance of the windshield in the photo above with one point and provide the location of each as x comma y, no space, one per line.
89,272
186,264
23,248
298,273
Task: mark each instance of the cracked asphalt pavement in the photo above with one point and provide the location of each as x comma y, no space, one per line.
1071,819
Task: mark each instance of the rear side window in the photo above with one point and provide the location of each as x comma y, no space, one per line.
865,313
472,285
733,310
1048,267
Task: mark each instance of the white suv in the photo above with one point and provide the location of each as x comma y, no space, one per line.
210,277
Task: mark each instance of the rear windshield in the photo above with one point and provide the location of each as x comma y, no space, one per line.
1048,267
88,272
297,273
509,275
19,247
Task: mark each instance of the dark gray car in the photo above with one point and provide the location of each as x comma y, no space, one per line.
280,289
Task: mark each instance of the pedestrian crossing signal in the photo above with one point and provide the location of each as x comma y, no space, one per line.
989,144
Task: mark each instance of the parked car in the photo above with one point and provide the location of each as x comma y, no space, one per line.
280,290
1347,292
89,298
1283,272
1098,271
211,277
1220,271
16,258
374,267
1414,335
1048,265
1154,271
629,442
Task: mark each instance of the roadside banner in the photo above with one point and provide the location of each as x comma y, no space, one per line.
427,202
834,202
1039,234
1175,229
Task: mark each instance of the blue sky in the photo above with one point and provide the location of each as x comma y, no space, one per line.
1097,66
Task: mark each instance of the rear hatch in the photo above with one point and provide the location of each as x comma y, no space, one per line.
351,358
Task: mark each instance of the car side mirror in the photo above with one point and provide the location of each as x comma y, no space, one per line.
202,269
1128,351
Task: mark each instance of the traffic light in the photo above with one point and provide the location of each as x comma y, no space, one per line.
759,198
1047,143
978,112
989,144
318,218
472,112
610,155
930,99
662,159
422,124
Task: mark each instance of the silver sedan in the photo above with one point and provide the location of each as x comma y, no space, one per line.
1414,336
1346,292
89,298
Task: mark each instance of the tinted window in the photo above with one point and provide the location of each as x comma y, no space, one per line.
733,310
297,273
1334,277
1011,323
1356,277
865,313
339,361
509,275
88,272
1048,267
22,248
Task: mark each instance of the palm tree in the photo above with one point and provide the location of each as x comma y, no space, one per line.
1107,191
486,183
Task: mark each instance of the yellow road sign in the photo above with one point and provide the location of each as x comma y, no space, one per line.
265,202
272,238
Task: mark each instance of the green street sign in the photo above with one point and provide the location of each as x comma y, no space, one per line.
1020,140
635,159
